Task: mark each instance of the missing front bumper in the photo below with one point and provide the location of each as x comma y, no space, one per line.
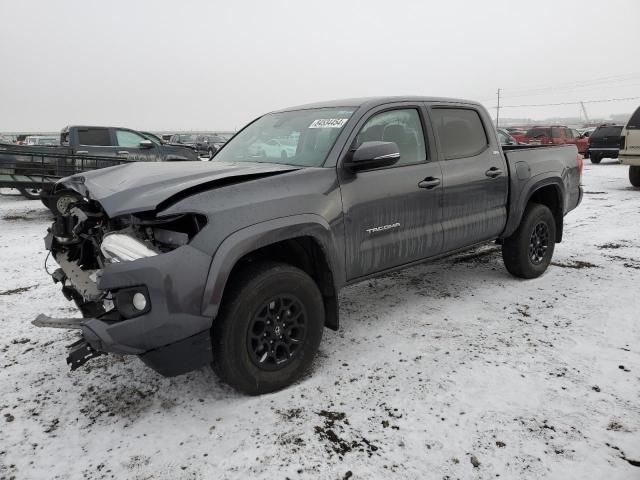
79,352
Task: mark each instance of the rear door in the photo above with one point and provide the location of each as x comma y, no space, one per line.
474,173
98,141
93,141
131,149
392,214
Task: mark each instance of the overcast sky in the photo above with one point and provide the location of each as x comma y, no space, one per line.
208,65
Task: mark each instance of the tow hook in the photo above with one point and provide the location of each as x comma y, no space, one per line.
80,353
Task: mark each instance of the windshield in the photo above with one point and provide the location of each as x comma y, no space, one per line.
301,138
154,138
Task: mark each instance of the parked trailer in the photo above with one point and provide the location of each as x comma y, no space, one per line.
35,173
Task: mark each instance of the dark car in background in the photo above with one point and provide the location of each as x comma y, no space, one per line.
184,140
604,142
34,169
207,145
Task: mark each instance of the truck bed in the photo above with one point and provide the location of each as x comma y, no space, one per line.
531,167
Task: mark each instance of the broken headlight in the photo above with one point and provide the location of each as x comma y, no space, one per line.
120,247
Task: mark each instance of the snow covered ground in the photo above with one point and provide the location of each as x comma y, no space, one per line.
445,370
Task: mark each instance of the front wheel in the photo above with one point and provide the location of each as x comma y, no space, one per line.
61,202
527,253
269,328
634,175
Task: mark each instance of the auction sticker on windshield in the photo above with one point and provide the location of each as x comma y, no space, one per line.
329,123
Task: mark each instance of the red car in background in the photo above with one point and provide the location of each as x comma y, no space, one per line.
556,135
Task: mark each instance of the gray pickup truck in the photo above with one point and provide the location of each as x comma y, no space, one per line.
34,170
238,262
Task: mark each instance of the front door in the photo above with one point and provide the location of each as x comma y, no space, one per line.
392,215
129,147
475,177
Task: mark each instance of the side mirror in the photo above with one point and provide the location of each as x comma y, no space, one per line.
373,155
146,144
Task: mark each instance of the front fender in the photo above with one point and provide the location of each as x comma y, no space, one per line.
259,235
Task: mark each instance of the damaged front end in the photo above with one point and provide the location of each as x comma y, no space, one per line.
137,282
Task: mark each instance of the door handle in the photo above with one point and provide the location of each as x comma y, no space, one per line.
493,172
429,183
123,152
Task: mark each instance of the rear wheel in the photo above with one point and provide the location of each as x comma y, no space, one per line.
31,193
634,175
269,328
527,253
595,158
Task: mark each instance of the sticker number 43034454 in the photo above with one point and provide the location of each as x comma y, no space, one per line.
328,123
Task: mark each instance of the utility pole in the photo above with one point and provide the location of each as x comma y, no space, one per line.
584,111
498,111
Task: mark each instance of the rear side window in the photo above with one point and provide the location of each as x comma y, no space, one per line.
612,131
94,137
538,133
556,133
460,131
634,121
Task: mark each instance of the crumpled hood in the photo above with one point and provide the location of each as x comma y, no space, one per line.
142,186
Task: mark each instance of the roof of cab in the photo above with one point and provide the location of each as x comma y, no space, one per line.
371,102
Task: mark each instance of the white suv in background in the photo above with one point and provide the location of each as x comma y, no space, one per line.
630,147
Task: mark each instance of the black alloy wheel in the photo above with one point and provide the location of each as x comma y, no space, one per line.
539,243
276,332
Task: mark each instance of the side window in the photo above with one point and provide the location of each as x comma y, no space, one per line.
556,132
460,131
400,126
94,137
125,138
502,138
568,133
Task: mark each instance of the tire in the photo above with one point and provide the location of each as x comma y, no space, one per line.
210,153
256,294
634,175
528,252
59,202
30,193
595,158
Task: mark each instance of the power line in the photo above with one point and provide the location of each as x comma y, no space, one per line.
570,103
576,84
